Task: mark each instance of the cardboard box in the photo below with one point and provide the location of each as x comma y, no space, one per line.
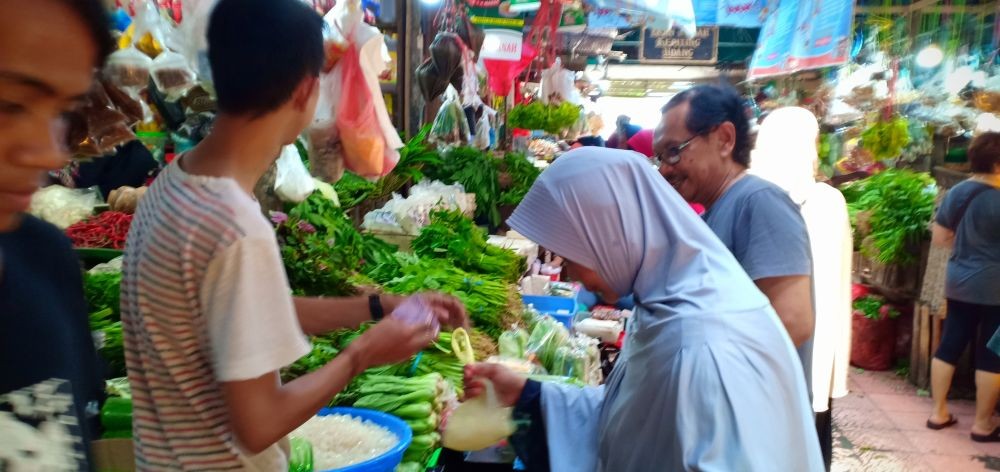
113,455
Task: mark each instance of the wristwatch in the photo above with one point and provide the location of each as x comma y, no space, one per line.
375,307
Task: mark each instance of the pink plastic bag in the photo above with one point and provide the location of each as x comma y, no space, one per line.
357,124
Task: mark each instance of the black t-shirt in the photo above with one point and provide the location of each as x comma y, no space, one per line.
50,377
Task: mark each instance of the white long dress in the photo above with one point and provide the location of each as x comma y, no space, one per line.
786,155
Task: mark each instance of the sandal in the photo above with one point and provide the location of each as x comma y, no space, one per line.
952,421
986,438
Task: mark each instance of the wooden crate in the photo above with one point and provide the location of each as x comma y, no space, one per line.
895,282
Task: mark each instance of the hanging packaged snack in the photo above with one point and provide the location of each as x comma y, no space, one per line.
128,68
172,75
131,106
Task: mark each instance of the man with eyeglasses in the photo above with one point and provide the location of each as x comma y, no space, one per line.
702,147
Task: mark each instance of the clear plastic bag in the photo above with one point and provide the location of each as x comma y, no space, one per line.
172,75
416,310
128,68
292,182
547,336
63,206
357,124
478,423
450,125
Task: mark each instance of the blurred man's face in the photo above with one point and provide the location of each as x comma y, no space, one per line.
46,67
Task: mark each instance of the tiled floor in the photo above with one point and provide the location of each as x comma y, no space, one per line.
880,427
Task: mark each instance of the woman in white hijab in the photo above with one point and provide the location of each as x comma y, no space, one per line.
786,155
708,378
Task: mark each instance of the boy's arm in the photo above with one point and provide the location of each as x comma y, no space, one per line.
262,410
322,315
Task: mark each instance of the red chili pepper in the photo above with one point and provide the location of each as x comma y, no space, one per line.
107,230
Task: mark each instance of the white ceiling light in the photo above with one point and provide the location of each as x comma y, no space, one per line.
930,57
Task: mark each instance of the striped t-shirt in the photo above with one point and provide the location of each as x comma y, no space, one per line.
205,300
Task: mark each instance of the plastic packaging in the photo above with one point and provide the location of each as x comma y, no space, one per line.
450,125
415,310
63,206
478,423
357,124
128,68
513,343
172,75
292,182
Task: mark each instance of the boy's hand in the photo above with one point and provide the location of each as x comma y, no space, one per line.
449,310
388,342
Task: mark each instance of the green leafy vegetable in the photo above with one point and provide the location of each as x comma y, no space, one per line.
477,172
112,344
103,290
887,139
550,118
452,236
890,212
320,247
875,308
523,174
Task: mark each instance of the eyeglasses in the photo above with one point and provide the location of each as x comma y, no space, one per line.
672,155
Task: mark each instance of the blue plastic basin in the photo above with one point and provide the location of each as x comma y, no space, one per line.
393,457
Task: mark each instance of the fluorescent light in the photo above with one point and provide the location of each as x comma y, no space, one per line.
930,57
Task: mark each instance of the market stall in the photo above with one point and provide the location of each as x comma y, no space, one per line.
371,199
900,89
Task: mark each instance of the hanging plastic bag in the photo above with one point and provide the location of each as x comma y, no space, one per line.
450,127
172,75
128,68
482,139
478,423
357,124
292,182
559,85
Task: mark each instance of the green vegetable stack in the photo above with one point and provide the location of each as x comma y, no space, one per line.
887,139
419,401
546,338
890,212
523,174
477,172
320,247
486,298
553,119
452,236
102,290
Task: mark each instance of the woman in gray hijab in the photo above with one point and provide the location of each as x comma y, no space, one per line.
708,379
